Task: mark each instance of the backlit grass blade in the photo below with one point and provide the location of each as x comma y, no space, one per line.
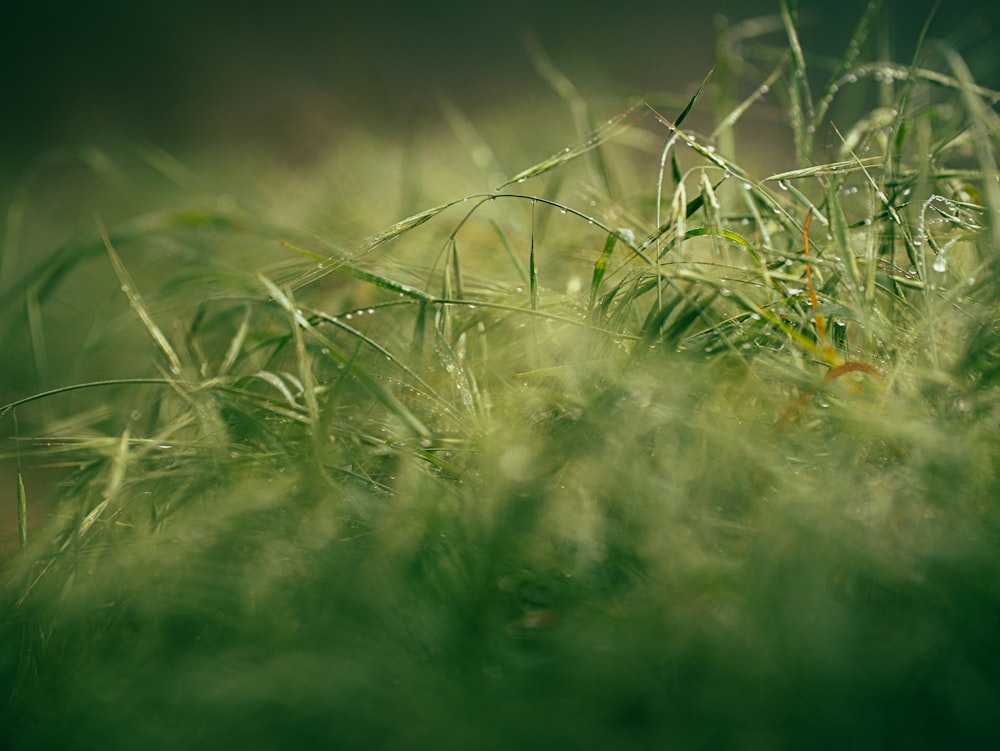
689,106
116,478
236,344
840,168
600,268
986,125
327,265
609,130
579,108
455,367
22,496
734,115
532,266
522,272
135,300
377,389
333,265
800,97
22,511
853,50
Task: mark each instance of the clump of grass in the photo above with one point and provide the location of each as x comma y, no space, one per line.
681,455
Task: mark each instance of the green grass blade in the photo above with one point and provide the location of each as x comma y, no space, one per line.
858,39
341,267
532,266
691,102
236,344
579,108
522,273
22,511
602,135
135,300
328,264
734,115
600,268
377,389
800,97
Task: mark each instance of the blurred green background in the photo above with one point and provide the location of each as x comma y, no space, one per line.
282,75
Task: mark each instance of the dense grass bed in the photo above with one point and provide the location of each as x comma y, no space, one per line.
635,448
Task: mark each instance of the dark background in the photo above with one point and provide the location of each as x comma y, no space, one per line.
283,74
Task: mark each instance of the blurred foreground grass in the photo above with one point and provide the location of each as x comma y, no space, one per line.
642,447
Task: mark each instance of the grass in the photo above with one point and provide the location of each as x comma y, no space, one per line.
639,448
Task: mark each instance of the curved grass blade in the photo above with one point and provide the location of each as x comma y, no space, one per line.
377,389
79,386
362,275
135,300
858,38
329,264
609,130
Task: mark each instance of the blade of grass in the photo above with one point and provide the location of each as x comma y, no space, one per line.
79,386
522,273
135,300
22,496
800,97
116,478
858,38
532,266
737,112
600,268
36,332
986,126
609,130
328,264
377,389
579,108
22,509
236,343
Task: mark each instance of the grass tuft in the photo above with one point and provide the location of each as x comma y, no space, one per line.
662,449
